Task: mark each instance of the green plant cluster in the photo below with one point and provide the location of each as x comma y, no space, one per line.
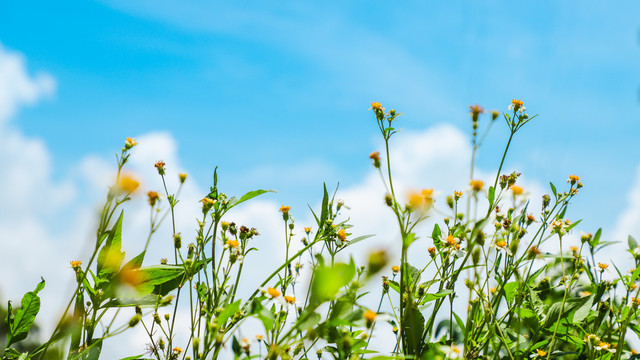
492,254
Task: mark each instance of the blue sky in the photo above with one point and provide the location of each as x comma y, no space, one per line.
264,89
276,95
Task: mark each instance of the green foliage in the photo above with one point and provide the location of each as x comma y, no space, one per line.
489,286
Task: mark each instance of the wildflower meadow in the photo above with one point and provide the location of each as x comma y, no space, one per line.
498,279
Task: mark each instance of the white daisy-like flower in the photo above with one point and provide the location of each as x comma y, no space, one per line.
451,352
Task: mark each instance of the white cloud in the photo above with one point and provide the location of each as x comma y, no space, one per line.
17,87
629,220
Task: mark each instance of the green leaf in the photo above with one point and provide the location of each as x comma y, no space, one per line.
136,262
413,327
633,244
460,324
248,196
228,312
324,212
328,281
308,320
110,257
510,290
553,189
435,235
492,196
438,295
583,311
408,239
25,316
135,357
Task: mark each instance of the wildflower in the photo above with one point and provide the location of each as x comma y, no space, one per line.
493,290
573,179
376,106
129,143
128,184
290,299
207,204
307,230
75,264
603,266
501,244
153,197
284,209
605,346
370,316
517,105
495,114
432,251
538,353
232,243
273,293
395,269
342,235
182,177
177,350
259,337
160,166
476,185
452,241
451,352
516,190
533,252
457,194
558,227
636,301
422,200
586,237
375,156
475,111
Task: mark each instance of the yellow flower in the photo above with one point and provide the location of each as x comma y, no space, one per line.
160,166
177,350
395,269
370,315
273,292
153,197
475,110
129,143
541,353
307,230
501,243
517,105
183,177
128,183
573,179
342,235
493,290
375,156
259,337
457,194
75,264
603,266
451,241
289,299
376,106
476,185
432,250
422,200
517,190
232,243
285,209
573,249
